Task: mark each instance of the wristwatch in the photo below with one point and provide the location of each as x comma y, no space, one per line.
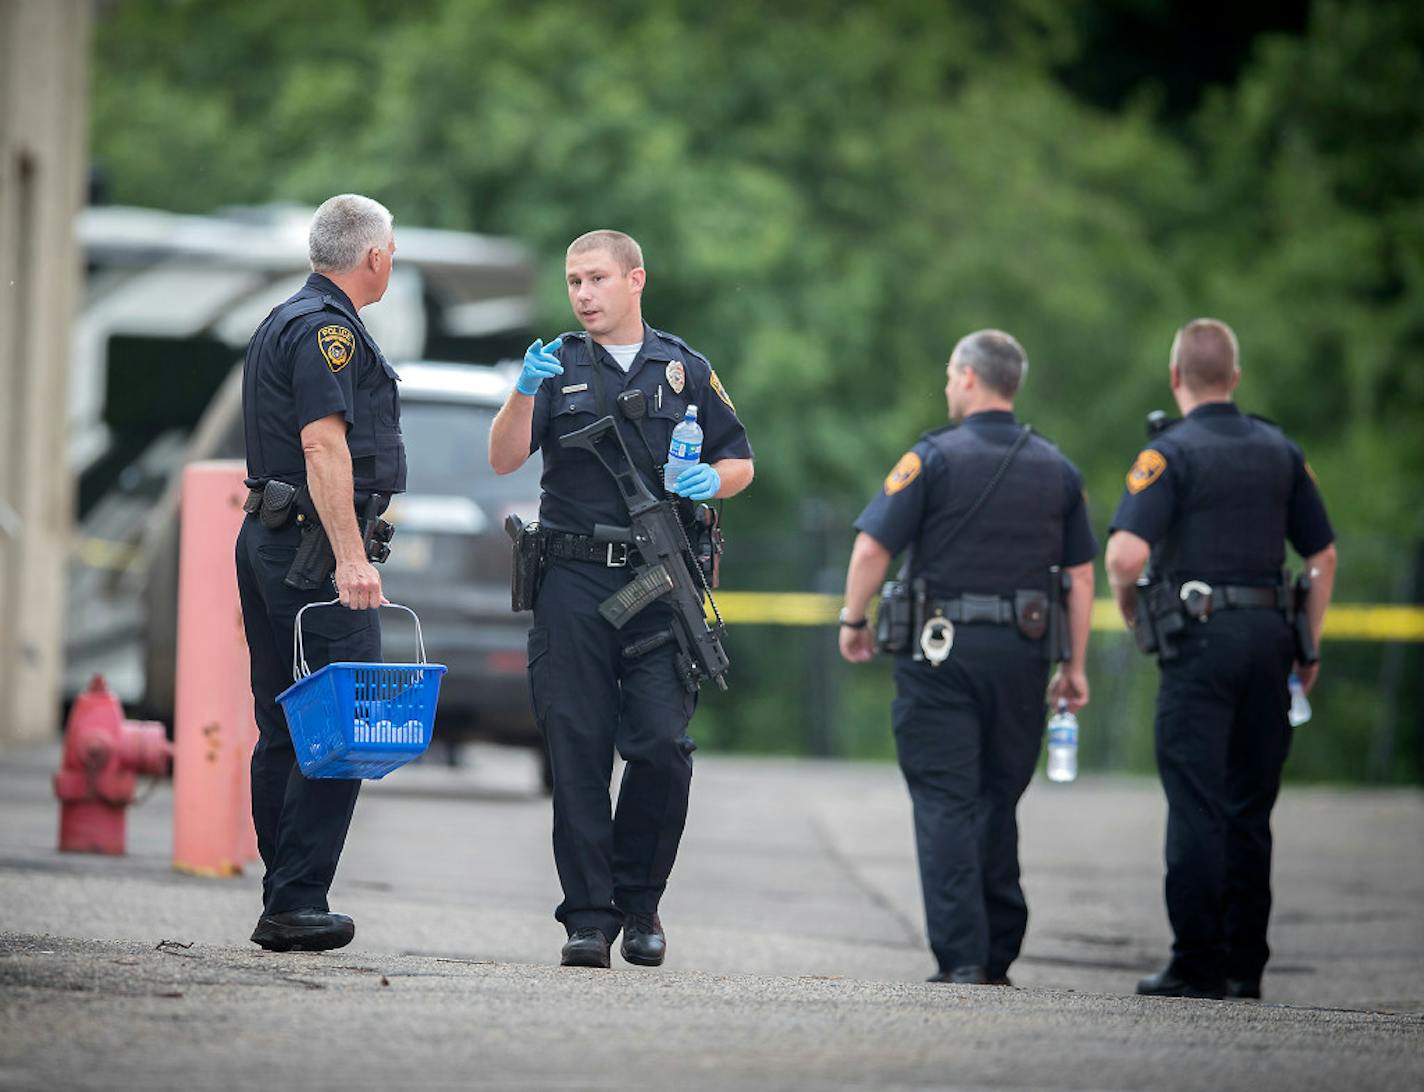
845,621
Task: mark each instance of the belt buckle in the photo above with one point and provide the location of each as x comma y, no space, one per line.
621,561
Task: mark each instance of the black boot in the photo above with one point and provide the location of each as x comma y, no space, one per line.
303,931
586,948
1168,984
644,941
962,976
1246,988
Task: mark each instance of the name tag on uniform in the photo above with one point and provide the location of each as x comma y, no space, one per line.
575,388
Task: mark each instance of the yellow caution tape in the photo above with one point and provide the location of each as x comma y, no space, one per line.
1344,622
101,553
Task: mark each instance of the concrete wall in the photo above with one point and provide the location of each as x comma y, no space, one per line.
44,67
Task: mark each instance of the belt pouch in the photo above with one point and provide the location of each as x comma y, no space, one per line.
893,621
276,509
1031,613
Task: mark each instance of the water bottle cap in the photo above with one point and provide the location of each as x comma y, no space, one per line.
691,414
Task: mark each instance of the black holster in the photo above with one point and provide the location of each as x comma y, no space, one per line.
1305,650
1040,615
315,561
704,535
894,622
1160,620
527,570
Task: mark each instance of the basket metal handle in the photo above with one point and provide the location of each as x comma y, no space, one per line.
299,655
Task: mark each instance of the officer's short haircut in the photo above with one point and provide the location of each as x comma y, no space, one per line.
344,228
995,357
1205,352
624,248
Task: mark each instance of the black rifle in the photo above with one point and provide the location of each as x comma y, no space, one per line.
667,568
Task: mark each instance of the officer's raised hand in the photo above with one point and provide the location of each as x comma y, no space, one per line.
698,483
540,362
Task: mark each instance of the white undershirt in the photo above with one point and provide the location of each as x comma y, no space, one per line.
624,354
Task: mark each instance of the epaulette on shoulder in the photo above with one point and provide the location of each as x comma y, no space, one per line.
293,311
681,344
1263,420
932,433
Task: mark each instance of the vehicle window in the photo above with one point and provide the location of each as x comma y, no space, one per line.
447,453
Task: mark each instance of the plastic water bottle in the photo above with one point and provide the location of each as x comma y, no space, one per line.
1062,745
1300,704
685,449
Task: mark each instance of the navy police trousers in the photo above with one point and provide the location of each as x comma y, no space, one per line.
968,734
301,825
589,699
1222,736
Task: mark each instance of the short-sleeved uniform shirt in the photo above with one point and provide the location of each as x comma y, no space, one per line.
1035,518
312,358
577,491
1219,494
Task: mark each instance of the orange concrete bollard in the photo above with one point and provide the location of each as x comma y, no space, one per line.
213,727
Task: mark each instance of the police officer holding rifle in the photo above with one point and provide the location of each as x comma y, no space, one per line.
321,418
618,646
1211,502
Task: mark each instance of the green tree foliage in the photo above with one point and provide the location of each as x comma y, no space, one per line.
829,194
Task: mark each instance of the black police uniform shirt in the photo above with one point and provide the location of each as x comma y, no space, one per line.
312,357
577,491
1218,495
1036,517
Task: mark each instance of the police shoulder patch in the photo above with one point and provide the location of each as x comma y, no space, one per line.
1150,466
722,392
906,471
337,344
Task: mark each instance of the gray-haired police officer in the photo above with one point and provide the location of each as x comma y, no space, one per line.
969,701
320,410
587,697
1212,501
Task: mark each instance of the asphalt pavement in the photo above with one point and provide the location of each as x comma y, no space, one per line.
796,950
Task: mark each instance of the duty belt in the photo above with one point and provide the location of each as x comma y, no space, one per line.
992,609
1200,599
273,502
571,547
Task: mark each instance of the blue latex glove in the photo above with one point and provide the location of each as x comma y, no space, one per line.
698,483
539,364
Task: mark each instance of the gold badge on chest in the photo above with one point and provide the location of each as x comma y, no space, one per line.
676,376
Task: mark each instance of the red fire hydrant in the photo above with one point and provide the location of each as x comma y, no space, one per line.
103,756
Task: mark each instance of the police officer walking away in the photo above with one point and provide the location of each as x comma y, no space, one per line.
321,418
588,696
995,525
1212,502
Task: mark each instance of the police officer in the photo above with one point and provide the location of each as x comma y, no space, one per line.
321,413
992,516
1212,502
587,697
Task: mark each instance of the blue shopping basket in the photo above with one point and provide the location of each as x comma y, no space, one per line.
355,720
